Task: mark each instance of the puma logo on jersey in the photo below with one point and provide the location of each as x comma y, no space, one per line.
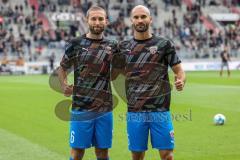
86,49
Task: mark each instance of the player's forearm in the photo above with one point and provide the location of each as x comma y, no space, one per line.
179,72
181,75
62,75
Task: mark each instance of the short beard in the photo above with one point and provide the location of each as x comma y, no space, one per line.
143,29
93,31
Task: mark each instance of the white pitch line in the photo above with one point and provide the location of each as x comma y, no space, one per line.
15,147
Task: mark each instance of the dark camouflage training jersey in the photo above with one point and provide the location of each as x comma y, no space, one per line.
91,60
146,68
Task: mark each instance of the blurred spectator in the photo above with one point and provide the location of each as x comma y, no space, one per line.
22,31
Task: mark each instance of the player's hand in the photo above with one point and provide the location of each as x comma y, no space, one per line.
68,90
179,84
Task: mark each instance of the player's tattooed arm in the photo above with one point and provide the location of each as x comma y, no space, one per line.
118,66
118,62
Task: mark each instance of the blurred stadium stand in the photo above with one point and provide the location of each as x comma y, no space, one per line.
34,29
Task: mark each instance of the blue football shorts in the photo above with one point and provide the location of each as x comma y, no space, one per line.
91,132
157,124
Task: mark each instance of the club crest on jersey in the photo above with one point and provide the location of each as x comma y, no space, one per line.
153,49
108,50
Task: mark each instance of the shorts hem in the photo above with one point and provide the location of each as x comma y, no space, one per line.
137,150
164,148
102,147
80,147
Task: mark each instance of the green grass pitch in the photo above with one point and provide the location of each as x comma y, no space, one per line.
30,130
